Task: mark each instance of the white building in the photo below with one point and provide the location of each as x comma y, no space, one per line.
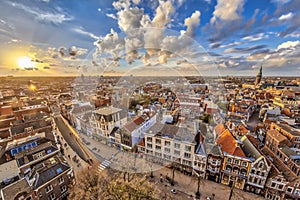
105,119
170,144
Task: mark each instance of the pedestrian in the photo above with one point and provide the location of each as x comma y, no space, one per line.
161,178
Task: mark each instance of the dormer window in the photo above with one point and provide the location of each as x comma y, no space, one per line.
28,129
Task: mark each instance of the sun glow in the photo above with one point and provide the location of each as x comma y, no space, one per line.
25,62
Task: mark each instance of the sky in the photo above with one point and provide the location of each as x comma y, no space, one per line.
149,37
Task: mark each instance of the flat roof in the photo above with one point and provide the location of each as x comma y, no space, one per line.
9,169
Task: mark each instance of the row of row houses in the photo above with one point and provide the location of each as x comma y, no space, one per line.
230,161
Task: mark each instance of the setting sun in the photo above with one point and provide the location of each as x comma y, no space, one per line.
25,62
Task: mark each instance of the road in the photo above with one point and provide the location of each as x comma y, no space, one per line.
185,185
71,139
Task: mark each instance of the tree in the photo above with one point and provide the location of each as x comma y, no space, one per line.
90,185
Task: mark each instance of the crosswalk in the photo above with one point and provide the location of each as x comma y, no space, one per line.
103,165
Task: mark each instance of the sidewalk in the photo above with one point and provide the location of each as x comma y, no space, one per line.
185,185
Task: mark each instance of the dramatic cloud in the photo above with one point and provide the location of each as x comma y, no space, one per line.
192,23
227,11
226,19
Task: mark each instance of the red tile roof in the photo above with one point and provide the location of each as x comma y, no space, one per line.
131,126
229,145
219,129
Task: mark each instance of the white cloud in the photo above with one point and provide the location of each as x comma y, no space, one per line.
294,34
162,15
136,1
111,15
230,44
289,45
281,1
42,15
192,23
180,2
81,31
129,19
255,37
227,10
286,16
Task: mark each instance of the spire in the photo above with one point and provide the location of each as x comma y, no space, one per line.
258,76
260,72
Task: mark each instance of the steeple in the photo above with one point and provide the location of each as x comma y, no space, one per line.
258,76
260,72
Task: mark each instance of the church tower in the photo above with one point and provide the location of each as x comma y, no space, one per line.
258,76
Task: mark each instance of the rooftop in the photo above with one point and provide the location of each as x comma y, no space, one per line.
172,132
276,135
132,125
249,149
229,145
9,170
290,129
107,110
17,187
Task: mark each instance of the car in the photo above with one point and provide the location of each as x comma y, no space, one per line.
173,191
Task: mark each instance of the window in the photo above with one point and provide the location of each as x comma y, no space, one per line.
280,187
177,146
157,141
157,154
245,164
38,155
188,148
237,162
167,150
167,157
289,190
158,148
228,160
187,155
297,192
60,180
149,139
49,188
149,146
63,188
186,162
176,152
167,143
273,185
51,197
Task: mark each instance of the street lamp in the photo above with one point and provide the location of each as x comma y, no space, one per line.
198,187
232,187
173,172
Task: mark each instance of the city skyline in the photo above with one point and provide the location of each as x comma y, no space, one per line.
59,38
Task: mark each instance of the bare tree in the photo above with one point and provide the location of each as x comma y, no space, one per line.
90,185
